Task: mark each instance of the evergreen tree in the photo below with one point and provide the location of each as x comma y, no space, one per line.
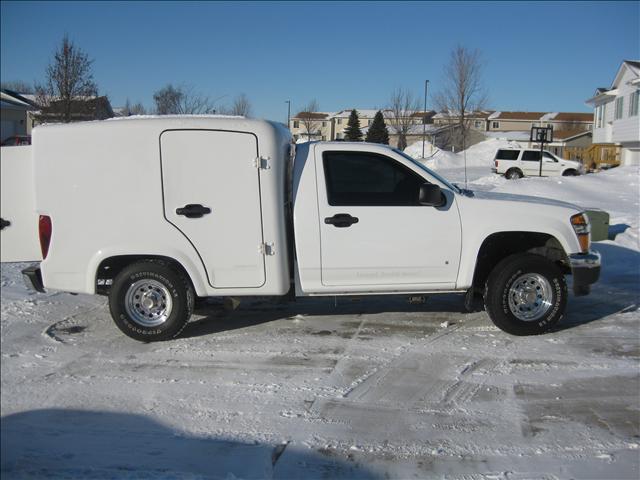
352,132
377,132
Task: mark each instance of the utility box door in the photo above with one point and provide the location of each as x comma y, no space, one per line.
216,170
19,240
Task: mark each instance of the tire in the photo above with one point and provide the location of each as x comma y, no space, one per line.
525,294
569,173
513,174
149,301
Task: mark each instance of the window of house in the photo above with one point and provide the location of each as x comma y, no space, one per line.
619,106
634,103
339,121
531,156
495,125
324,124
477,124
296,124
600,113
363,179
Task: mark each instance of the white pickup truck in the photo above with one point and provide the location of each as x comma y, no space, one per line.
155,212
516,163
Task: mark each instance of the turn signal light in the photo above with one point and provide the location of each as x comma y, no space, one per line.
44,231
581,226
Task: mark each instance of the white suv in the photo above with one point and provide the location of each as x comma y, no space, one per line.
516,163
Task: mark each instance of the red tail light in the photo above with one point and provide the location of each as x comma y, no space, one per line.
496,163
44,230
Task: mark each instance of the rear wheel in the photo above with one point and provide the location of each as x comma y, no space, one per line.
150,301
525,294
513,174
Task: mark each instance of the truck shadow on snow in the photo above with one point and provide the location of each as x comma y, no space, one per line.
616,291
67,443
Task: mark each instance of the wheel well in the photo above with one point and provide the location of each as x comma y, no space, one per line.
500,245
110,267
513,169
569,171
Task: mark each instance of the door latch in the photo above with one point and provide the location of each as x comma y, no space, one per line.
268,249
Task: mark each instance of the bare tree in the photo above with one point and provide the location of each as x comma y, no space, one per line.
310,118
241,106
462,93
402,105
68,79
18,86
135,109
182,100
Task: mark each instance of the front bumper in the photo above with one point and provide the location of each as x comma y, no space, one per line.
32,277
585,268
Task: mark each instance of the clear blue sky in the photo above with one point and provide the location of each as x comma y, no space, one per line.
539,56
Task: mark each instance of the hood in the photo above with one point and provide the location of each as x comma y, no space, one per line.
511,197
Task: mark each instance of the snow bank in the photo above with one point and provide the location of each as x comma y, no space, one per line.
616,191
478,155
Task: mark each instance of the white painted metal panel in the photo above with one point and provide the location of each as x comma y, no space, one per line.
216,169
19,240
390,245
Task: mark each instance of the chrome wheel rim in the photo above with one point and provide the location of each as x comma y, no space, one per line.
148,303
530,297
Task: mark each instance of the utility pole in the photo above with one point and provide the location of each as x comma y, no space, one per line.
424,116
288,102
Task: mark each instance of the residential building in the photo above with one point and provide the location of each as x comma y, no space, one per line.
312,126
16,114
82,109
476,120
523,121
616,133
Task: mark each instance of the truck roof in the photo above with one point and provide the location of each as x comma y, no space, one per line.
168,122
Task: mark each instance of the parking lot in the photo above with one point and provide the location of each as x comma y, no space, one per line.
350,388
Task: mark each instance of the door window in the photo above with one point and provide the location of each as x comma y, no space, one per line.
531,156
362,179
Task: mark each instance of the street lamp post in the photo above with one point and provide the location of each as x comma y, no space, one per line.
424,116
288,102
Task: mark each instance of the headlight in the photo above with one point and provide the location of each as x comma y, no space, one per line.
582,227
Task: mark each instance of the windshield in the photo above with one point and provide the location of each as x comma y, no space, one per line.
429,171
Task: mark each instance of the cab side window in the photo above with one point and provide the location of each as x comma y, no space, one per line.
363,179
531,156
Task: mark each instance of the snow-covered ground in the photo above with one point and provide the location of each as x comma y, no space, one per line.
349,388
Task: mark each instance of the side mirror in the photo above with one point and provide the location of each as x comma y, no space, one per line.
430,195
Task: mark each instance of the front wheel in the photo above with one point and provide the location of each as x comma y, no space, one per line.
149,301
525,294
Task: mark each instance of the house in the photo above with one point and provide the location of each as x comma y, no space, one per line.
16,114
476,120
523,121
616,133
312,126
81,109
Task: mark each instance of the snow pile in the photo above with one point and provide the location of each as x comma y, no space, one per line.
482,154
617,191
478,155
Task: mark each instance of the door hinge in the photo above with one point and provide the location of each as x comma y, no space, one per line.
268,249
262,163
